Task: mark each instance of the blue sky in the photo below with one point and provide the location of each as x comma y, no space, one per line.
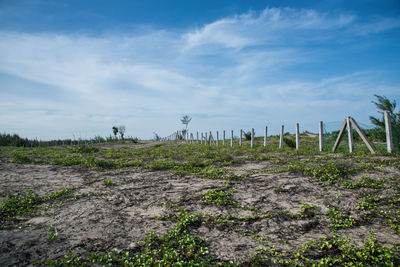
76,68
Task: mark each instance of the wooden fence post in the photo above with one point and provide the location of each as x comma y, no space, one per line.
231,138
197,137
362,135
297,137
339,138
265,136
281,137
217,139
252,138
223,137
240,137
206,138
388,128
350,135
202,136
321,145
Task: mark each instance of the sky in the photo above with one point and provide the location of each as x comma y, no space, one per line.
74,69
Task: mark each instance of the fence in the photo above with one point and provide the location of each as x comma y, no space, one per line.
330,137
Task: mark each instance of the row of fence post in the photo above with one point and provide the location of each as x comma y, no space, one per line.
207,138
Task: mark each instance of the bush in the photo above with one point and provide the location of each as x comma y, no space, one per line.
289,142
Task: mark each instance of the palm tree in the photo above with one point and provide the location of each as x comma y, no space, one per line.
185,120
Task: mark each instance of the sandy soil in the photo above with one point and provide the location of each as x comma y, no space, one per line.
120,216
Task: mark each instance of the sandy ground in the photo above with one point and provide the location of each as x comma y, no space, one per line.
120,216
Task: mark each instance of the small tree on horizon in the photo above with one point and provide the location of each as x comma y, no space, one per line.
185,120
121,130
115,131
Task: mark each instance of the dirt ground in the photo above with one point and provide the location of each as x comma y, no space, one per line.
120,216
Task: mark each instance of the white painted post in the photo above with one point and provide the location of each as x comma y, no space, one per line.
388,128
231,138
350,134
321,132
265,136
223,137
240,137
281,137
252,138
297,137
217,139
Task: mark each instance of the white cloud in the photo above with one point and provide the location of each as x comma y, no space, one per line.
381,25
269,26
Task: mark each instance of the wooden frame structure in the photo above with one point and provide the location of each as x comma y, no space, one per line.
348,122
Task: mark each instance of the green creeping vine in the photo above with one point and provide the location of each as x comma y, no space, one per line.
329,173
335,251
339,220
175,248
219,196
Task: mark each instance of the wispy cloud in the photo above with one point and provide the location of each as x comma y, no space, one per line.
268,27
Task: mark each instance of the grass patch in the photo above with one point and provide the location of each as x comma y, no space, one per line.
108,182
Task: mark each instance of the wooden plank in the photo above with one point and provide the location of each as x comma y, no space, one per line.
363,137
252,138
350,135
339,138
265,136
297,137
321,132
388,129
231,138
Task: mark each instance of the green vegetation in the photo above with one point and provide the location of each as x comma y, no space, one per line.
377,202
53,234
219,196
108,182
339,220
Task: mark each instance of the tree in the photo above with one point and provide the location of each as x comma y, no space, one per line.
185,120
121,130
115,130
384,104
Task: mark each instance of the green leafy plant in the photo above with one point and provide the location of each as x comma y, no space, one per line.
219,196
108,182
53,234
339,221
